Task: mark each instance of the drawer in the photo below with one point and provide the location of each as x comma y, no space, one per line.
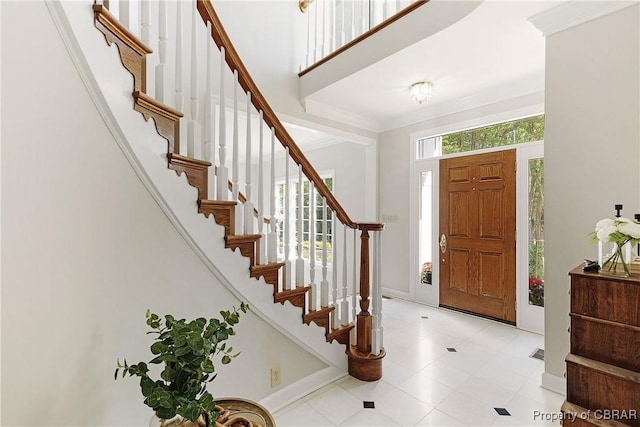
605,341
603,388
613,299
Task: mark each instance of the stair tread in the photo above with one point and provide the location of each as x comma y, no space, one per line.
258,268
216,203
241,238
190,160
341,330
321,312
295,291
156,106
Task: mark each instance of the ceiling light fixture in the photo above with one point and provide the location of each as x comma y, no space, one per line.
420,91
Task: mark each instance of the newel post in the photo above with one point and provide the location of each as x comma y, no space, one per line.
365,362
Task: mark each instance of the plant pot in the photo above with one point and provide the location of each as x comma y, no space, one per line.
177,421
234,411
241,412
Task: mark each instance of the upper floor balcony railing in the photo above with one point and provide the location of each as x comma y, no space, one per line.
334,25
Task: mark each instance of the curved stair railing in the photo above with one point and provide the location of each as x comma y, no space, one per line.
254,222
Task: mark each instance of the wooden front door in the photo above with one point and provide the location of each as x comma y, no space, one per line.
477,234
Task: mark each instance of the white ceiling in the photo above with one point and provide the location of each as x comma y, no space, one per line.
492,54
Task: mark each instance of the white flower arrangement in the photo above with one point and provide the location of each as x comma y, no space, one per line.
620,231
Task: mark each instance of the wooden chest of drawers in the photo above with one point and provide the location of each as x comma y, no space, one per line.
603,368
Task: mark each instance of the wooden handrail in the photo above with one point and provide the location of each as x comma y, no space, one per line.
220,37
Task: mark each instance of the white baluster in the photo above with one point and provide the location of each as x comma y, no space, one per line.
322,4
376,296
363,17
308,57
316,45
235,167
300,260
343,38
209,120
162,49
344,304
179,95
262,246
193,106
145,24
332,25
353,20
222,192
312,248
324,284
287,278
272,249
124,10
334,271
248,205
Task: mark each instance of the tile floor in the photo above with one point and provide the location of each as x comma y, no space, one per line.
425,383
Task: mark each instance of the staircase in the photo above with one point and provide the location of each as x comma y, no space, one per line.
361,334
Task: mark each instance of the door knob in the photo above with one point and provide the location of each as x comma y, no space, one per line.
443,243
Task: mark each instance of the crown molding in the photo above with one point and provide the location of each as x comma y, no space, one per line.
573,13
338,115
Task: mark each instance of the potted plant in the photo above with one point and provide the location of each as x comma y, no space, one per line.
186,351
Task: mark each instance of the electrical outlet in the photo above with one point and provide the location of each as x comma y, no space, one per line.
275,376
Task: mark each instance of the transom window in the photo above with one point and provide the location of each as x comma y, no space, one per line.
512,132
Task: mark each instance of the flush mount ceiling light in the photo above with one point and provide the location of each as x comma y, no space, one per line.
420,91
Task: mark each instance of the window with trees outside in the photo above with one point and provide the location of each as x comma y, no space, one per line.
513,132
294,188
498,135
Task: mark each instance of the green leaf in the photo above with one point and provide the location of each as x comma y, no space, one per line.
115,376
159,347
147,386
181,351
226,360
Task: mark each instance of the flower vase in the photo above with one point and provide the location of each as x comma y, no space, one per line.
616,262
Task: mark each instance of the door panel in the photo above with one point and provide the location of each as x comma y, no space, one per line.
477,217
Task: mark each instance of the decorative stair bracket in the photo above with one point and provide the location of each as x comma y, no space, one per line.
223,212
167,119
133,52
196,171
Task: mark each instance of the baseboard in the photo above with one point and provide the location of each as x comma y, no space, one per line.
293,392
554,383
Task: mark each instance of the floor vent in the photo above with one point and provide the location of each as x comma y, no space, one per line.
538,353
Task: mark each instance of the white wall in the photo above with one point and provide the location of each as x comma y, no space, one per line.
86,250
592,151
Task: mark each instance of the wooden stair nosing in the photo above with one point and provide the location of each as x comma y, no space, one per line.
167,119
295,296
223,212
133,53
